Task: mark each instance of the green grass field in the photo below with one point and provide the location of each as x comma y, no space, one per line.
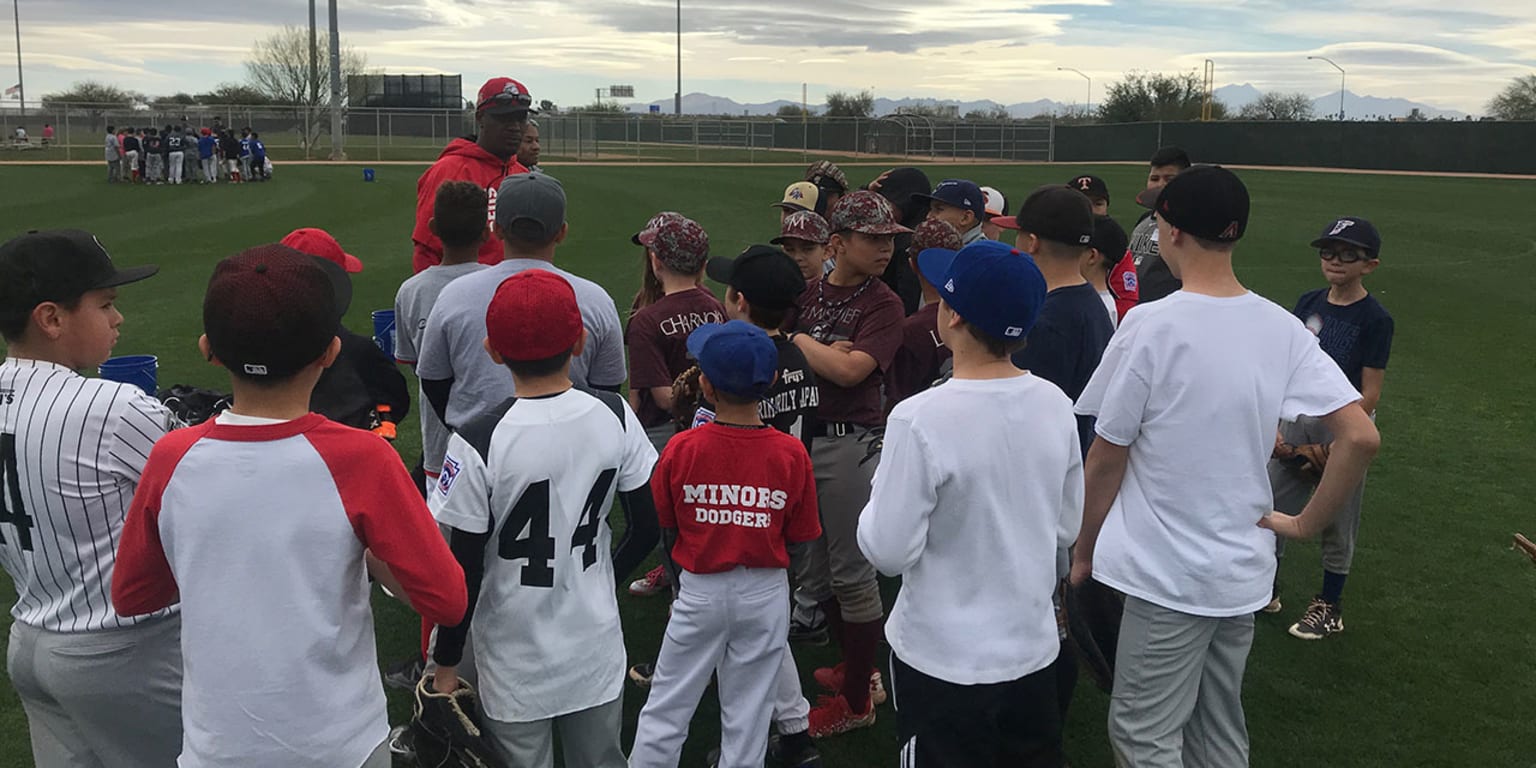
1436,666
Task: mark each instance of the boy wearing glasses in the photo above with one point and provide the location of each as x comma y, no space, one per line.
1356,331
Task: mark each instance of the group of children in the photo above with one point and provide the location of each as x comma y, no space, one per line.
178,153
807,431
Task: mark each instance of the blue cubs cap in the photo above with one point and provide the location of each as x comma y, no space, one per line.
961,194
1351,230
738,357
992,286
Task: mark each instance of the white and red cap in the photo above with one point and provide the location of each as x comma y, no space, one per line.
504,96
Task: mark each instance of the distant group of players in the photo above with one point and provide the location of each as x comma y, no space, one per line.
1016,431
178,154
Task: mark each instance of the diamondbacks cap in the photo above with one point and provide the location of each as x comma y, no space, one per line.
1351,230
996,204
993,286
825,173
738,357
536,198
933,233
866,212
800,196
654,222
318,242
804,225
269,311
1054,213
1090,185
767,276
504,96
1206,201
533,316
961,194
58,265
679,242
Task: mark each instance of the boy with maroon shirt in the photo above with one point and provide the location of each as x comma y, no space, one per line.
849,328
658,334
922,352
730,496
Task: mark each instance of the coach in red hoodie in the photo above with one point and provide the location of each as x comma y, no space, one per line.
501,113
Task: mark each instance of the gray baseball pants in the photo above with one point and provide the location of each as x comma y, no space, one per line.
588,739
1293,489
1177,700
104,699
834,565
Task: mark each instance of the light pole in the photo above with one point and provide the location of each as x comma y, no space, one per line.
337,153
21,85
677,98
1088,106
1341,82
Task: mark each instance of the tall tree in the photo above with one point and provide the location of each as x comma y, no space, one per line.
1148,96
1274,105
94,93
279,67
840,104
1517,101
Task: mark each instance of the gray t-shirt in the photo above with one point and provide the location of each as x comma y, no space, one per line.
453,344
413,303
1154,279
112,148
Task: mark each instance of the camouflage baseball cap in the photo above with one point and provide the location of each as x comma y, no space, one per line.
654,223
804,225
866,212
933,233
826,169
680,243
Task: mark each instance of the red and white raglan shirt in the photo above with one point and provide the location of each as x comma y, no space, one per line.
736,496
1122,283
260,526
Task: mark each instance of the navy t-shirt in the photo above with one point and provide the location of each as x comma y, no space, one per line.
1356,336
1066,343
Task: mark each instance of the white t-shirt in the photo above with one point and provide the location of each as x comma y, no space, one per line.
980,481
1195,385
540,475
1109,306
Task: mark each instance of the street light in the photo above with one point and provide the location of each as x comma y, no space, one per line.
1341,82
1088,108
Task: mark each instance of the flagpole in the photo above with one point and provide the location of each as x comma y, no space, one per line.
20,83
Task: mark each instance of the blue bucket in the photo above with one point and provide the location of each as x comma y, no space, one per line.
141,371
384,330
367,174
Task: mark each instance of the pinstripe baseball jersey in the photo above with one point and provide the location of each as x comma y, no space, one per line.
71,450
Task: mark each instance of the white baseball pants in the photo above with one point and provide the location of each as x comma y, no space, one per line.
732,624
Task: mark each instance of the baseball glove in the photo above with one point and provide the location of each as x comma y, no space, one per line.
447,729
687,396
1525,545
1093,627
1315,456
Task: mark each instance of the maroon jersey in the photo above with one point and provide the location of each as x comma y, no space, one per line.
658,344
922,353
869,316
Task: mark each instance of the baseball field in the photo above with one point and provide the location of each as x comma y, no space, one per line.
1436,667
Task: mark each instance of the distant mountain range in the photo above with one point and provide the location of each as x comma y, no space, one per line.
1234,96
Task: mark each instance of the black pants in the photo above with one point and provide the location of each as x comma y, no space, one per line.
1015,724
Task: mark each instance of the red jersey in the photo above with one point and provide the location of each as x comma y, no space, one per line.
1122,283
461,160
735,496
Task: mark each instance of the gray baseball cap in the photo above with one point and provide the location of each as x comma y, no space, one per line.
533,197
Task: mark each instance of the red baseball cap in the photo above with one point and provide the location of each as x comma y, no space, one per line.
533,316
504,96
318,242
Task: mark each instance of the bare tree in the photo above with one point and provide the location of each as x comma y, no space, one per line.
279,67
1275,105
1517,101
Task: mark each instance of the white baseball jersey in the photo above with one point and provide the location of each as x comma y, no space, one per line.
71,451
539,474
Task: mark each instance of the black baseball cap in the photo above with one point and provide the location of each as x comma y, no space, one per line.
1109,238
767,276
1207,201
269,312
1056,213
59,265
1351,230
1090,185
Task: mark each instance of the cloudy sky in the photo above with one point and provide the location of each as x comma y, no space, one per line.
1453,55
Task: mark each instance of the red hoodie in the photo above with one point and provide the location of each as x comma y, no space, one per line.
461,160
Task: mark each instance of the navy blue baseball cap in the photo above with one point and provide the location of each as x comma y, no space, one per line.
961,194
992,286
738,357
1351,230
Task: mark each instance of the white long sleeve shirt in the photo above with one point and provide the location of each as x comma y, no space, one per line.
980,481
